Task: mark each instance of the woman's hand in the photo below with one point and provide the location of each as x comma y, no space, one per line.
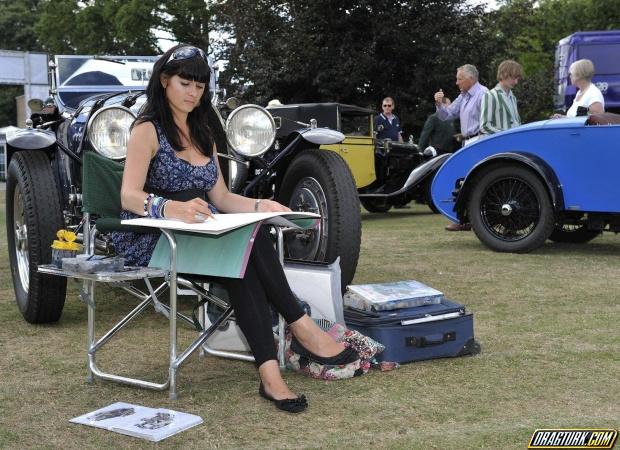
271,206
192,211
557,116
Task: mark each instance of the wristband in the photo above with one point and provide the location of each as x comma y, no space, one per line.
160,208
256,204
154,206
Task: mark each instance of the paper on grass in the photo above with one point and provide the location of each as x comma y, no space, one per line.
153,424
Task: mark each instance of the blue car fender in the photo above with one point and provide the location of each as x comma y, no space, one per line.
533,162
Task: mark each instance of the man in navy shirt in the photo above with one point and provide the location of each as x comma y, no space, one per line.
387,124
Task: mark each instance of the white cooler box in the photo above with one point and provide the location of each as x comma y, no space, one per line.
316,285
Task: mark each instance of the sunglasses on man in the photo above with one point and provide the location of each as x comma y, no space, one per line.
387,106
187,52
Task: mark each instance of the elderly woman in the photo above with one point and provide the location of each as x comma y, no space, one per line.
588,95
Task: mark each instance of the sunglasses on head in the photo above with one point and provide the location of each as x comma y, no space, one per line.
186,52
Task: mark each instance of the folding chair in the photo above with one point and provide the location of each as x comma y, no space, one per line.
101,183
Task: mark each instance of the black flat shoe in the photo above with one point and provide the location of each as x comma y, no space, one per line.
292,405
348,355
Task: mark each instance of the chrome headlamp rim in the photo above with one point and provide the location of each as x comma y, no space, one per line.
228,125
92,120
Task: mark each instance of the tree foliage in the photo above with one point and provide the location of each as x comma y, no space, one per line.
353,51
188,21
117,27
17,25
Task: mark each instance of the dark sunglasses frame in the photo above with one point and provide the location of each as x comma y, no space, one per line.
391,106
187,52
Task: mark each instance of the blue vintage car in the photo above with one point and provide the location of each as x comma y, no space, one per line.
554,179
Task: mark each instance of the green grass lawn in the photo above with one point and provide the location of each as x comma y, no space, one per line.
547,322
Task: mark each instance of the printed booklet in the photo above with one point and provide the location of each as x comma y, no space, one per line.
153,424
389,296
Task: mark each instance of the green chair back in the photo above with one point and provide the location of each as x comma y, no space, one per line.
101,186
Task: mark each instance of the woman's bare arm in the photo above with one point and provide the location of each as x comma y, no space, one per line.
141,148
596,108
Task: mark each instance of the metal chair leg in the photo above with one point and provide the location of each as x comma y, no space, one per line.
281,323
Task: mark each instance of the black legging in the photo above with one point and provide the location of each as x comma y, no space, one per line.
264,283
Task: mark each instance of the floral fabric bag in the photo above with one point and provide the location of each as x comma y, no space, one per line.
366,347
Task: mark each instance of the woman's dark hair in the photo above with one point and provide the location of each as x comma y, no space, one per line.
157,108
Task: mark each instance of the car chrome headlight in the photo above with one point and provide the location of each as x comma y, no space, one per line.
108,131
250,130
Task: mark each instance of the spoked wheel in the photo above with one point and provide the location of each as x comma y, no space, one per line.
573,234
33,217
320,181
510,210
21,239
310,244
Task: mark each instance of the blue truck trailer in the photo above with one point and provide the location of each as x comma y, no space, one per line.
603,49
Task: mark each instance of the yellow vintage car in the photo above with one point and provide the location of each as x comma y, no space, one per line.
356,123
386,173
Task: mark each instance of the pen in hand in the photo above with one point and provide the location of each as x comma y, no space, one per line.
204,217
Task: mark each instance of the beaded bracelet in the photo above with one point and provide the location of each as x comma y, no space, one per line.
155,206
146,203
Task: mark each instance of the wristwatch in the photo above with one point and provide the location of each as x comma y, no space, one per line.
256,204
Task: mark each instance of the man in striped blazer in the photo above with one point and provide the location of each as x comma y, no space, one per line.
499,105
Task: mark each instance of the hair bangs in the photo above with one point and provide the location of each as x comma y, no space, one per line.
192,69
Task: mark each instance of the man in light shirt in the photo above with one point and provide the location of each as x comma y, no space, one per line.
499,105
465,107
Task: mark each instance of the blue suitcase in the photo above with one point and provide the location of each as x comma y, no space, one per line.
422,332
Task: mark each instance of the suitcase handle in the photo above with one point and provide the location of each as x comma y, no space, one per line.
430,339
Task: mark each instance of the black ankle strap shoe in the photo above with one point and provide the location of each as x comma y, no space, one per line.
292,405
348,355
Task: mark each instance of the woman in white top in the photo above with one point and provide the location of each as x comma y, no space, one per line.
588,95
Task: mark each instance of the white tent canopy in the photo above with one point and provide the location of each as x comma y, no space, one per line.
28,69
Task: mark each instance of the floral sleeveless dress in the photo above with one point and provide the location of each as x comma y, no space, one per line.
167,173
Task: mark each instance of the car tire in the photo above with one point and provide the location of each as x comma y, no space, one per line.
510,210
320,181
573,234
375,205
33,217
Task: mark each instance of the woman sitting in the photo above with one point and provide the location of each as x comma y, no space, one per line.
171,156
589,98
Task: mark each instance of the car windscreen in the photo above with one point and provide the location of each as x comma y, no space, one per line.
355,124
79,77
